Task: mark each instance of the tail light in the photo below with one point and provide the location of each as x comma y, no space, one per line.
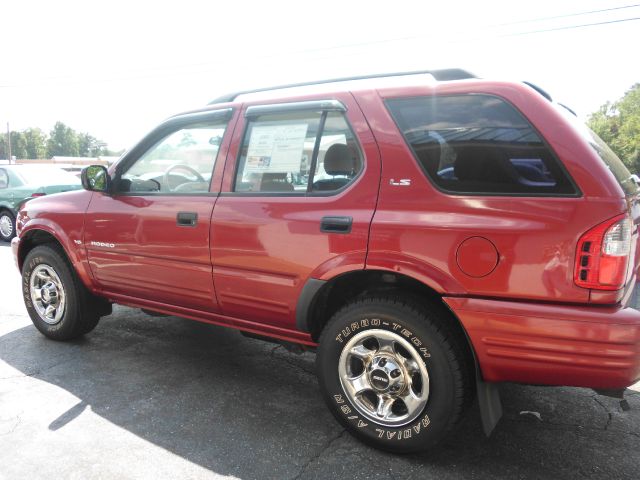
603,255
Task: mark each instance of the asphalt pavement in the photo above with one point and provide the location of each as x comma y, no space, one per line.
168,398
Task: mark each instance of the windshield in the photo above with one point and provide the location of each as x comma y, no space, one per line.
608,156
42,175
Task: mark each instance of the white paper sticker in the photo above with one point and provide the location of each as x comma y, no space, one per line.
276,148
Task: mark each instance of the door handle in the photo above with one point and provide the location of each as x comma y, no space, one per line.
187,219
336,224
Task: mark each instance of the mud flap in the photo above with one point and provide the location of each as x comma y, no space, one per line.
490,404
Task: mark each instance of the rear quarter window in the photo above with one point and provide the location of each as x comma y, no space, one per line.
479,144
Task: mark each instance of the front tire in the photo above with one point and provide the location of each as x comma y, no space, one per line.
7,226
394,372
59,305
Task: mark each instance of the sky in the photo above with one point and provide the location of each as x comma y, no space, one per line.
116,69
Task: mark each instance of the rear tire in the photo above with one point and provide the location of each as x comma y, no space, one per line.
409,365
7,226
59,305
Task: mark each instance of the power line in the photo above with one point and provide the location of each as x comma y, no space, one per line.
569,27
577,14
326,49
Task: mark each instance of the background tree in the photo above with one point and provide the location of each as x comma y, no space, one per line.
89,146
63,141
33,143
18,145
4,154
618,124
36,141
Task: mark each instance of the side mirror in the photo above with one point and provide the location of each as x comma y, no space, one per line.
95,178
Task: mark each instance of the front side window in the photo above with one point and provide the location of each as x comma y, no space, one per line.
478,144
181,163
297,152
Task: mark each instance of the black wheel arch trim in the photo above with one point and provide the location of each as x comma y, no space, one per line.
488,394
303,308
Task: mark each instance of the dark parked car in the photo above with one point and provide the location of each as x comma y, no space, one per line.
444,237
19,183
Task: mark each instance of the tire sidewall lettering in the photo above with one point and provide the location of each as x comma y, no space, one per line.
409,432
26,291
26,277
395,327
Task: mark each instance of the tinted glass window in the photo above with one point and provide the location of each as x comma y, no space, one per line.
610,159
613,163
279,151
338,155
181,163
4,179
478,144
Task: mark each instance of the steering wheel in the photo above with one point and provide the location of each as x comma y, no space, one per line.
199,178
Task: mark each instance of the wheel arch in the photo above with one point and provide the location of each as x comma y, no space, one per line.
34,236
320,299
9,209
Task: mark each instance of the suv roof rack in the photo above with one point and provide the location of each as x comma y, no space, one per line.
539,90
440,75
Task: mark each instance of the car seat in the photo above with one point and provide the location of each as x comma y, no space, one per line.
338,161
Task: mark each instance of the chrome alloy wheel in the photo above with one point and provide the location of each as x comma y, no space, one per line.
6,226
47,294
384,377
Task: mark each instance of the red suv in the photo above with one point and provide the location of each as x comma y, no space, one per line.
430,235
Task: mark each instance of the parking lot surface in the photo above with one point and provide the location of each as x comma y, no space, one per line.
144,397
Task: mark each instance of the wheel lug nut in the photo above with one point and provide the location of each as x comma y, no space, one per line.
382,362
395,373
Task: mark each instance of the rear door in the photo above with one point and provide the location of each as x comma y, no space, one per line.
298,196
149,239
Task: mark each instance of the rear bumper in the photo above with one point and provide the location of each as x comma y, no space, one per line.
595,347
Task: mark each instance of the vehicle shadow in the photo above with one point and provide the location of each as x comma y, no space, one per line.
250,409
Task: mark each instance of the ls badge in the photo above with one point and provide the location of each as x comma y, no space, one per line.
403,182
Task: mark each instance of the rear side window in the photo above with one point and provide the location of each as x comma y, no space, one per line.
297,152
610,159
478,144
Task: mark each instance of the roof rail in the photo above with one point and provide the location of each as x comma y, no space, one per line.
539,90
439,75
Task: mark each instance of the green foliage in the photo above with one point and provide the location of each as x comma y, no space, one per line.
36,143
63,141
618,124
90,146
33,143
18,145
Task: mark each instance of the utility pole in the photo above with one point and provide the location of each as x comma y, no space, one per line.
9,142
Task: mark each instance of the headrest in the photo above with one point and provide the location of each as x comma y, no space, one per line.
339,160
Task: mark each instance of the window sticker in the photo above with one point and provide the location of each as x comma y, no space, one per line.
276,148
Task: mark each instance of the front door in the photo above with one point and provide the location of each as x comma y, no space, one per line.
149,238
298,197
